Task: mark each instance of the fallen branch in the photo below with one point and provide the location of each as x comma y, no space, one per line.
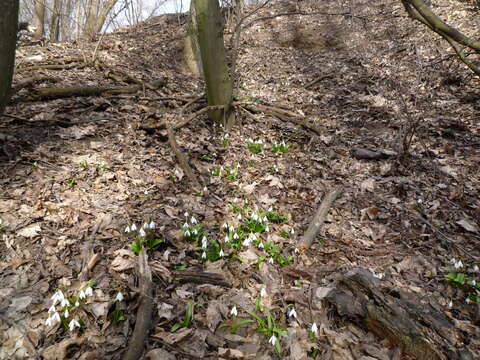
182,159
51,67
282,114
318,79
145,309
319,218
58,93
201,278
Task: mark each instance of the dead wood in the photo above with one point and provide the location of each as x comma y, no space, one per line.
418,329
51,67
319,218
318,79
145,309
182,159
201,278
58,93
282,114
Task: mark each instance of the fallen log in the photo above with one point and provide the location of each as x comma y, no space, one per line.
418,329
38,94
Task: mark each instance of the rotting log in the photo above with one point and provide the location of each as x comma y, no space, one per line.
418,329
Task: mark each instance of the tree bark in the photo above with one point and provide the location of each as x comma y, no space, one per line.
8,40
191,49
215,69
39,19
55,21
97,16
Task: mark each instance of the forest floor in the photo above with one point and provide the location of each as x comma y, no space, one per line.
76,171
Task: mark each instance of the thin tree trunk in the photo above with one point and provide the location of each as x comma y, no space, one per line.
191,49
215,69
39,19
8,40
55,21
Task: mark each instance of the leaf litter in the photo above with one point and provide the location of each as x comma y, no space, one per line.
76,162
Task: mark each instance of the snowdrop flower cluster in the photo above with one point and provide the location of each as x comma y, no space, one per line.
63,306
456,264
249,239
190,227
142,230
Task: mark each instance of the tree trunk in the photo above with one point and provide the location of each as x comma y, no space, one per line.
55,21
39,19
8,40
191,49
97,16
215,69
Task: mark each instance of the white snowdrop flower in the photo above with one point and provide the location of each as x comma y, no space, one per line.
49,321
270,209
77,304
142,233
89,291
267,229
81,294
452,261
273,340
265,219
52,309
292,231
127,229
57,297
66,314
292,313
260,245
185,225
152,225
225,225
474,282
260,141
73,324
234,311
253,237
119,297
254,217
270,260
458,264
204,244
467,300
246,242
56,317
475,268
221,253
133,227
205,189
193,220
145,226
450,304
235,236
314,328
146,192
239,216
296,251
186,214
204,255
195,231
231,228
187,232
238,166
204,239
221,168
227,239
64,303
263,292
